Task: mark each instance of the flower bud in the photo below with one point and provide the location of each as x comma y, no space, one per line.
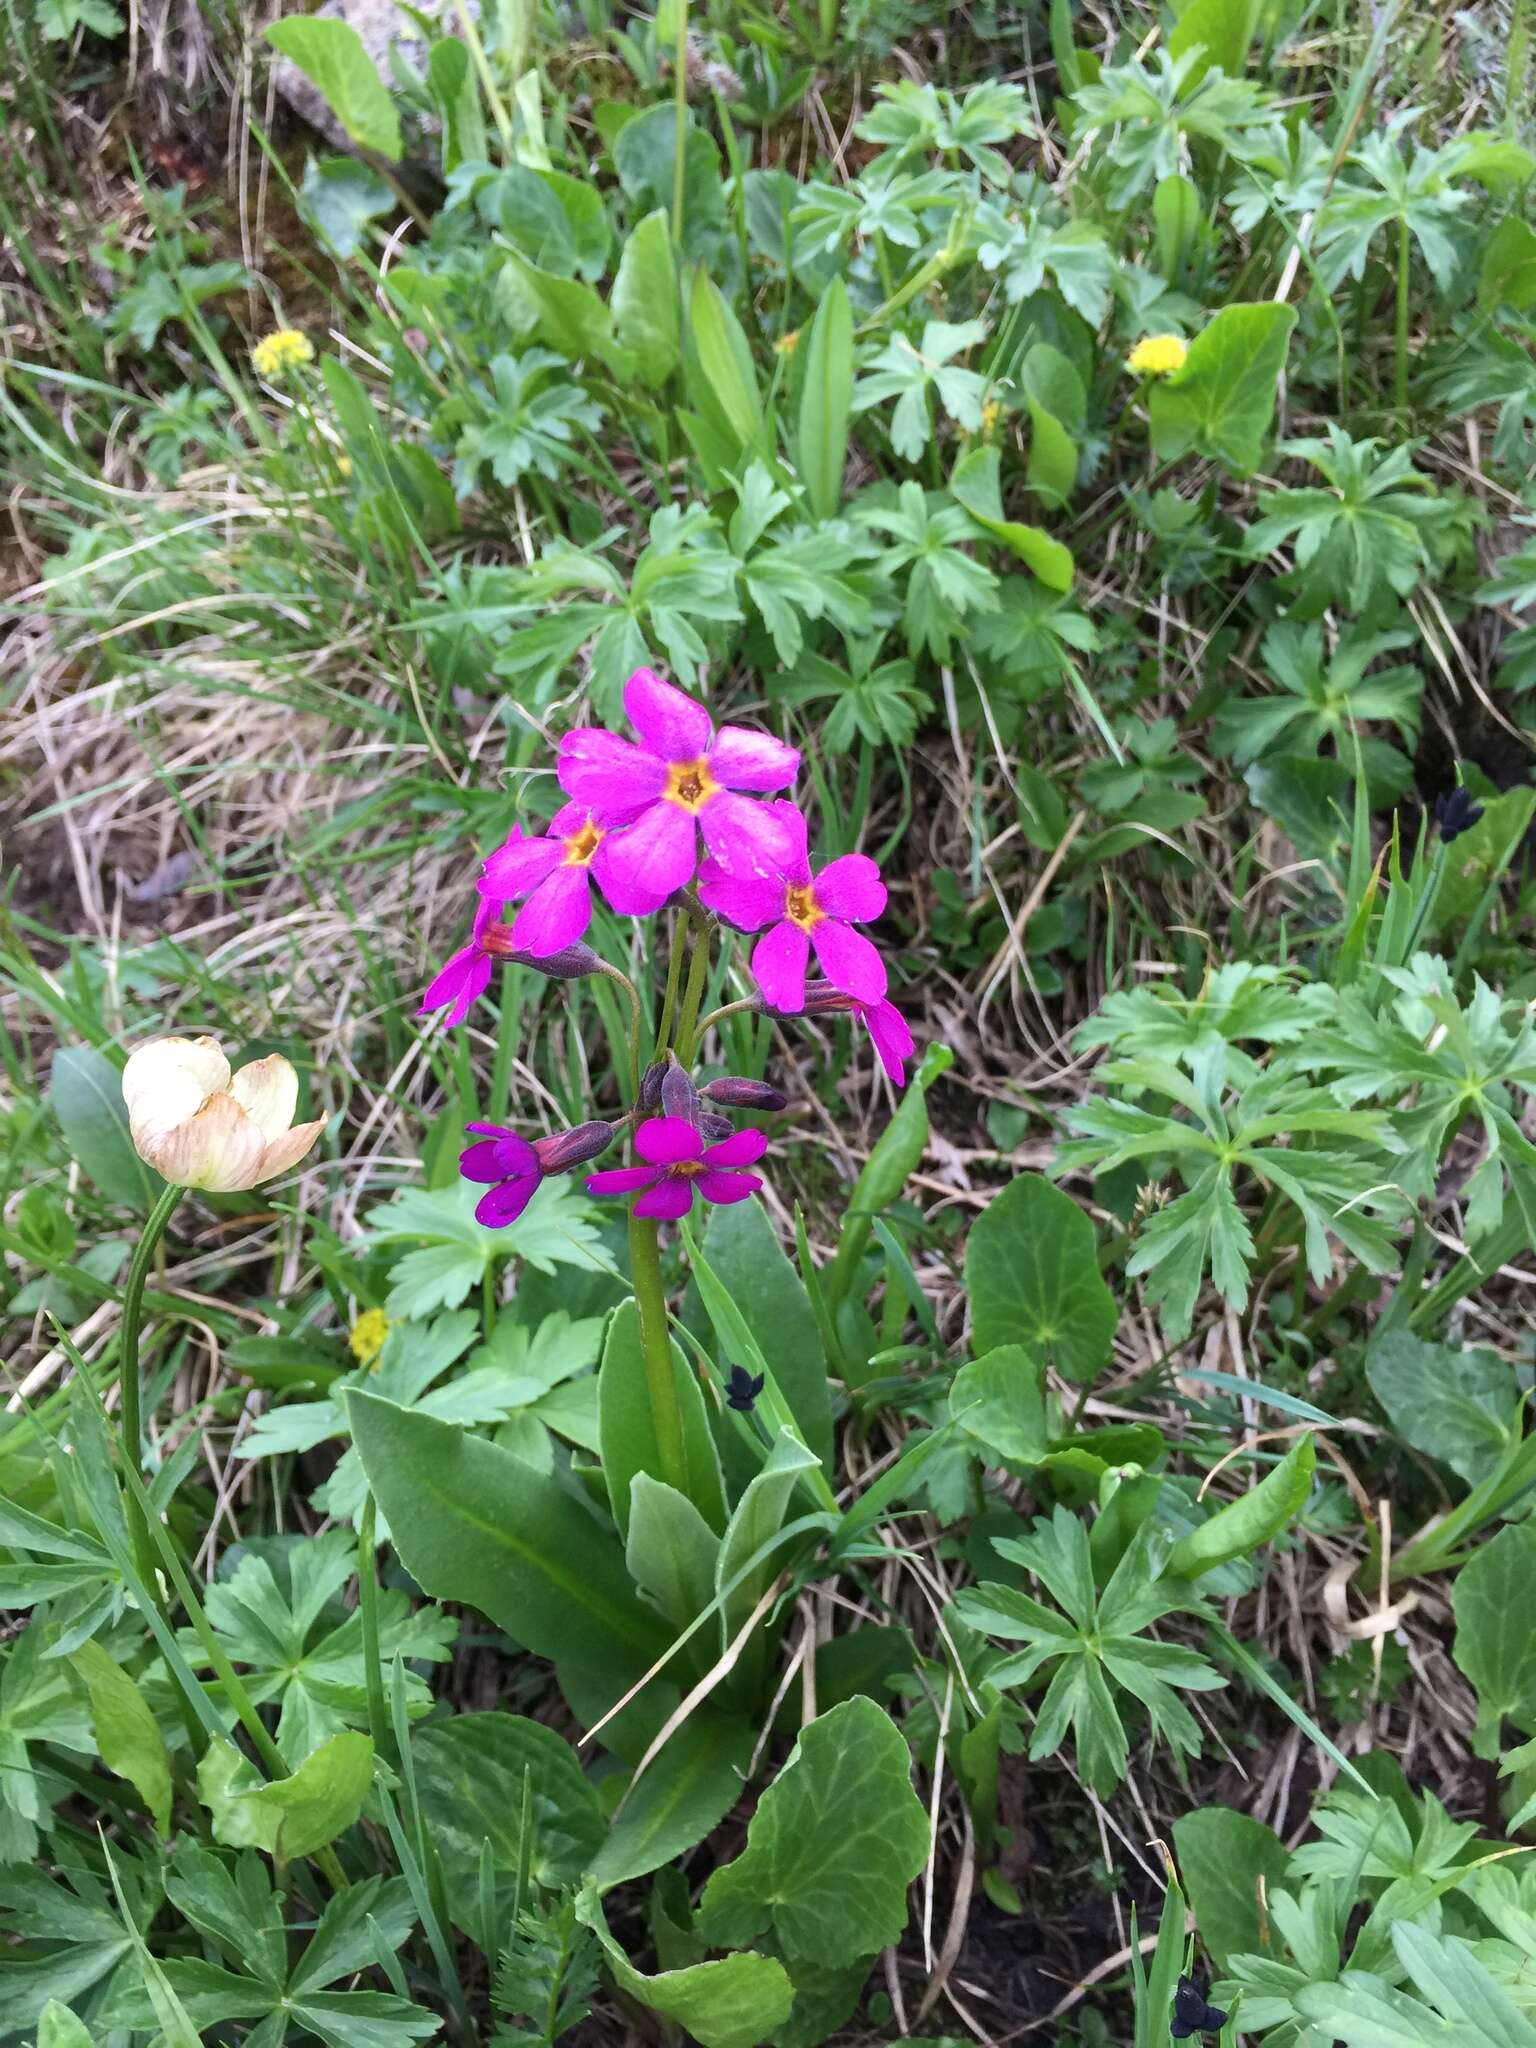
679,1097
565,1149
736,1092
202,1128
823,1000
715,1127
649,1101
569,964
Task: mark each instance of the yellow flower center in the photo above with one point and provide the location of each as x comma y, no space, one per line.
801,907
581,846
690,785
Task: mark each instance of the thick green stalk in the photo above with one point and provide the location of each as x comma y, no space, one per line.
693,995
656,1351
129,1378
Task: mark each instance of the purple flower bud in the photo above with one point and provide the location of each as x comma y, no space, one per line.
739,1093
679,1097
569,964
821,1000
649,1100
565,1149
713,1127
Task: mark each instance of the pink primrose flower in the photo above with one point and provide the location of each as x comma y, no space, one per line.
466,974
804,913
555,871
677,1160
683,779
511,1168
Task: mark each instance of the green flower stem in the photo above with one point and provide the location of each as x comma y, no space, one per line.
669,998
680,118
129,1378
368,1610
656,1350
693,995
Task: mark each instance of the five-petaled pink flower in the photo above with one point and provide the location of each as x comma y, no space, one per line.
555,871
805,913
683,779
678,1160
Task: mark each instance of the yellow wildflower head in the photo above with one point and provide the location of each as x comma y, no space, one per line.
368,1334
787,343
991,413
1158,355
283,349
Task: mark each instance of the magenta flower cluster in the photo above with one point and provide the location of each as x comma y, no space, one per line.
635,816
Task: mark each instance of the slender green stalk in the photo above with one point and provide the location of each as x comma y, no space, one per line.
680,111
368,1609
1402,316
130,1380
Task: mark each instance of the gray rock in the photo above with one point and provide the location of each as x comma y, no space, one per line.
383,26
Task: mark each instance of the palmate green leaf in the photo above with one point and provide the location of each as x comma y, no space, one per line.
944,586
1032,1275
1154,111
281,1620
331,55
1025,249
1221,401
1321,696
526,420
831,1848
1397,189
916,373
1458,2005
805,574
62,1937
555,1230
1368,531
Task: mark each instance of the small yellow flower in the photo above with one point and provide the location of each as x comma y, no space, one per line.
1158,355
787,343
367,1337
203,1128
283,349
991,413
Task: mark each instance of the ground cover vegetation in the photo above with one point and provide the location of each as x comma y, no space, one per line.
768,1060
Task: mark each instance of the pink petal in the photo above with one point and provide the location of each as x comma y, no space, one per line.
741,1148
667,719
670,1197
794,834
891,1037
745,838
620,1180
778,961
664,1140
464,977
502,1205
652,857
568,819
498,1158
743,759
728,1187
520,865
556,914
613,872
848,960
607,774
746,901
851,888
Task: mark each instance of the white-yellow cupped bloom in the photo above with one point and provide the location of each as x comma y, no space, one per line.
202,1127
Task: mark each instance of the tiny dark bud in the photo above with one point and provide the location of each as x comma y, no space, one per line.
738,1093
1456,813
565,1149
714,1127
679,1097
742,1389
1191,2014
649,1101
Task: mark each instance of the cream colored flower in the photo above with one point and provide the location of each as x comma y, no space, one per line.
285,348
1157,355
202,1128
